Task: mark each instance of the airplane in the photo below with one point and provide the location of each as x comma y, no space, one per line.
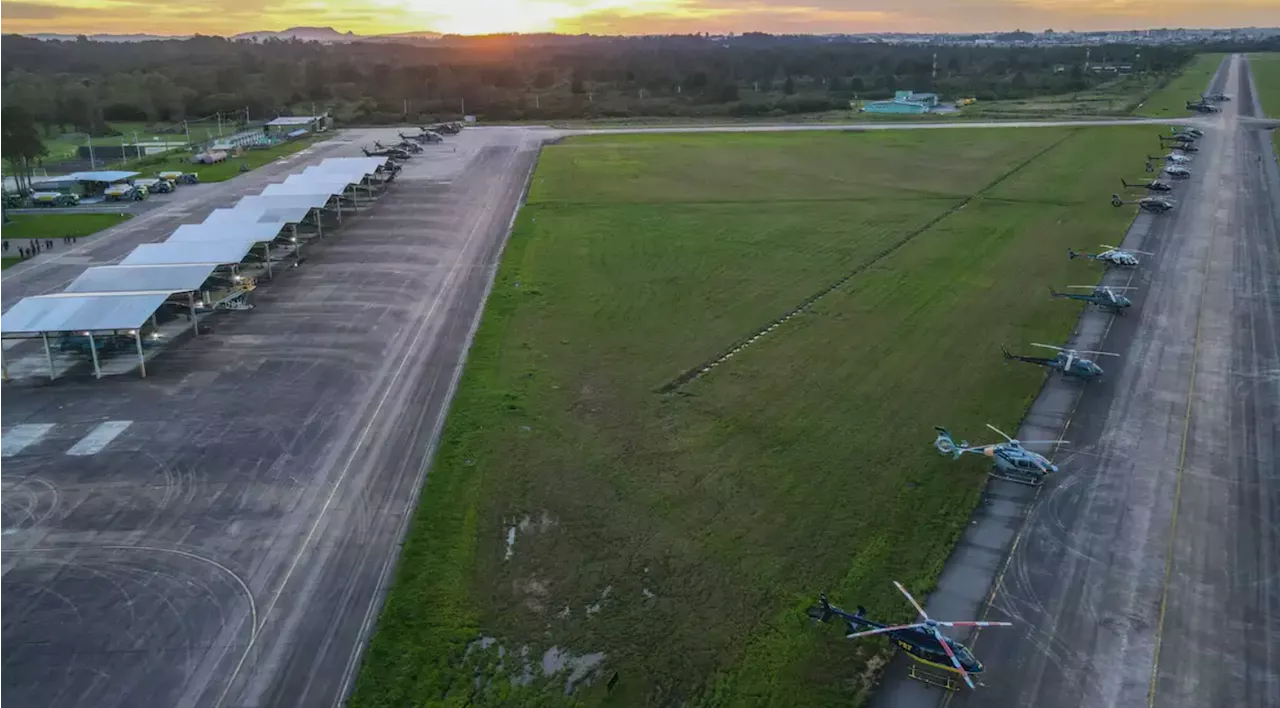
922,640
1010,460
1177,171
1105,297
1172,157
1112,256
1154,185
1158,205
1067,361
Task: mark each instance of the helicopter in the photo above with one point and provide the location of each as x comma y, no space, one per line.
1158,205
1104,296
1178,137
1154,185
1191,133
403,145
1172,157
393,153
1202,106
922,641
1112,256
1183,146
1216,97
1068,361
1010,460
1177,171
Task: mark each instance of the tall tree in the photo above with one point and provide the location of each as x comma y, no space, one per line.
20,143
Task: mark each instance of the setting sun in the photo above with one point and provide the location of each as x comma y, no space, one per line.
525,16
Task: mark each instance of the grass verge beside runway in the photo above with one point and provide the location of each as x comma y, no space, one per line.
56,226
674,540
7,261
222,171
1266,79
1171,101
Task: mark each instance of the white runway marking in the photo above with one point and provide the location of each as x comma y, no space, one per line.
99,437
20,437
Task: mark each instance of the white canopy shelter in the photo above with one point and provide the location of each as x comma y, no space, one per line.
158,278
269,201
83,315
216,253
236,228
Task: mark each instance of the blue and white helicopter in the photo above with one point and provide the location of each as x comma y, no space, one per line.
1010,460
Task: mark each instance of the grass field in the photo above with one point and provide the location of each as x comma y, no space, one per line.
1171,101
7,261
221,171
669,543
1266,79
56,226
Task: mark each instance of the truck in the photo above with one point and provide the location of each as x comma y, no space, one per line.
180,177
154,185
54,199
125,193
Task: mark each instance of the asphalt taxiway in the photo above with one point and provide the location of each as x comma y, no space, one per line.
1146,573
219,533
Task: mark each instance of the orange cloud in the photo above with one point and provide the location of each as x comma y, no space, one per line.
627,17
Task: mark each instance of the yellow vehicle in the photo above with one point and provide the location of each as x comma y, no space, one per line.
54,199
961,103
180,177
125,193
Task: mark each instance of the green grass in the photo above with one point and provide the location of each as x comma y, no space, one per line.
150,166
1171,101
1266,79
58,225
68,144
7,261
714,514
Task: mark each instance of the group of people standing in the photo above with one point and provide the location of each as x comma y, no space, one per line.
35,246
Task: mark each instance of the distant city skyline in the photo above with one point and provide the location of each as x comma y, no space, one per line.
627,17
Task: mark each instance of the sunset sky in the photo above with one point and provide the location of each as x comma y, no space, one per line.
622,17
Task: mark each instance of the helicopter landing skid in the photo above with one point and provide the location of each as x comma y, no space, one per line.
938,679
1016,478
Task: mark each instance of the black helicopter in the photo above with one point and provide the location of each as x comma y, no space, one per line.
1067,361
1154,185
393,153
922,641
1179,145
1158,205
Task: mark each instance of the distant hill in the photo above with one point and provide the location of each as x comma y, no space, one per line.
50,37
326,35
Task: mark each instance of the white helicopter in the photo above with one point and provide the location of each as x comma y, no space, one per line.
1113,256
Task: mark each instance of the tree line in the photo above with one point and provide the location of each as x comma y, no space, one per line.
83,86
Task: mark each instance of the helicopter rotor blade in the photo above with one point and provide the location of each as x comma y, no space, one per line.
1002,434
1049,346
1044,442
1097,353
1126,250
882,630
951,655
911,599
973,624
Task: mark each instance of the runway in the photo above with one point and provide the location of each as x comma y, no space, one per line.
1146,573
221,532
